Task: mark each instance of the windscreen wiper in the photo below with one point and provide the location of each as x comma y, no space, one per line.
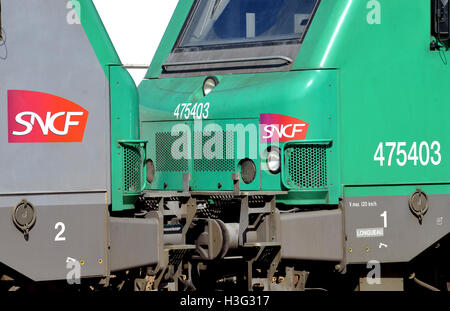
216,4
286,60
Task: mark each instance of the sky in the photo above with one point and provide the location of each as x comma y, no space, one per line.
136,28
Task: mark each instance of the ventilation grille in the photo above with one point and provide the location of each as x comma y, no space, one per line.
132,163
307,167
165,161
214,160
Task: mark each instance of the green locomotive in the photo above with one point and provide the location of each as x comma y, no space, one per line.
315,105
282,144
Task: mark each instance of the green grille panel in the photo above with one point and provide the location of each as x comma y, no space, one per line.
307,166
164,159
132,162
210,162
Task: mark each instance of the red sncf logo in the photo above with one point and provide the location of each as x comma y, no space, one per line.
35,117
281,128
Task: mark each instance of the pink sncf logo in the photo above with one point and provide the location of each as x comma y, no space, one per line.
281,128
35,117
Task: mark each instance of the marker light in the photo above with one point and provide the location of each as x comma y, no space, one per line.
273,160
209,85
248,171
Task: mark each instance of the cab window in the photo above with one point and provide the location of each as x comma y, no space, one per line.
240,36
237,22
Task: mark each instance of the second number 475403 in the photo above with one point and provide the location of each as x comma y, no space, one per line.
423,153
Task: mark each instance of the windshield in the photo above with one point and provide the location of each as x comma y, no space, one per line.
224,22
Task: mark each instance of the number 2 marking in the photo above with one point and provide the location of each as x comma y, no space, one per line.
59,236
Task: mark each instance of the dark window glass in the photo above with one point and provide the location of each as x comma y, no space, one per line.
224,22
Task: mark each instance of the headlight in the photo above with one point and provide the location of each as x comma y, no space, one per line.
248,171
209,85
273,160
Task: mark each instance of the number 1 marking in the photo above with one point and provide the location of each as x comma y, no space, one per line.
384,215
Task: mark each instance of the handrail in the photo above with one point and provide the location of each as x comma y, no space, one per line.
135,66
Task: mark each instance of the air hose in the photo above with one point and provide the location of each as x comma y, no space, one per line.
423,284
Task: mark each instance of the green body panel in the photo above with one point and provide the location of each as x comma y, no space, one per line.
124,100
124,127
310,96
391,87
386,86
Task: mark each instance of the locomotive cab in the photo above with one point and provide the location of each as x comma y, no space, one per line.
230,146
236,104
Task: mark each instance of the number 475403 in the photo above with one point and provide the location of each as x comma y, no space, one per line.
400,153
